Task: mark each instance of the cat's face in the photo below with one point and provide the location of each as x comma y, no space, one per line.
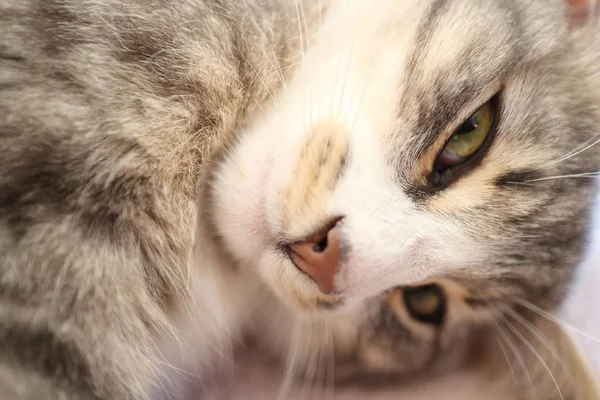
420,138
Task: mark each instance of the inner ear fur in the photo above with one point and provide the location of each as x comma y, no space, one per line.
583,11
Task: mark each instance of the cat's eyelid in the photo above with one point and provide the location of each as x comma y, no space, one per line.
445,132
465,112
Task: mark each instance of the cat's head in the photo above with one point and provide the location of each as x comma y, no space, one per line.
442,141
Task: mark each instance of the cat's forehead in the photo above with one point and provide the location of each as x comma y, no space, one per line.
405,76
449,31
388,84
460,53
464,40
439,52
457,57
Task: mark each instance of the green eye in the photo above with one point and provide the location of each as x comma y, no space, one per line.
468,138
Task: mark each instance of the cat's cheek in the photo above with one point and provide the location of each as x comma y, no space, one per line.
239,199
399,248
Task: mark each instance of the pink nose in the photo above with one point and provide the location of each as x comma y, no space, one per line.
319,257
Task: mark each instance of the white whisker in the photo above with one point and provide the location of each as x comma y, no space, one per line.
535,352
339,65
531,328
548,178
574,153
297,4
553,318
541,337
330,352
311,370
518,356
290,364
262,81
276,69
503,349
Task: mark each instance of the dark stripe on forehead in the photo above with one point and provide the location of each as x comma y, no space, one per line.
425,31
451,91
439,106
437,102
454,85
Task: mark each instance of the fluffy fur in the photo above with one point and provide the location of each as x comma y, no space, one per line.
156,155
503,237
107,112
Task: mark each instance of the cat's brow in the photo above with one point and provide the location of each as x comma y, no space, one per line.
443,105
440,94
424,33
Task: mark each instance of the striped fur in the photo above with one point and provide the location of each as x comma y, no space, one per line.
157,155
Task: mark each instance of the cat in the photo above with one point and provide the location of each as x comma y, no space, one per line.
348,187
186,173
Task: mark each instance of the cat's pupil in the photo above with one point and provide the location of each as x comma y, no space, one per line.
426,304
321,246
469,125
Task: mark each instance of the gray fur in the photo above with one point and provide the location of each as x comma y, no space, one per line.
109,111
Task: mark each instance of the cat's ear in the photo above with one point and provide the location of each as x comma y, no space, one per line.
582,12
